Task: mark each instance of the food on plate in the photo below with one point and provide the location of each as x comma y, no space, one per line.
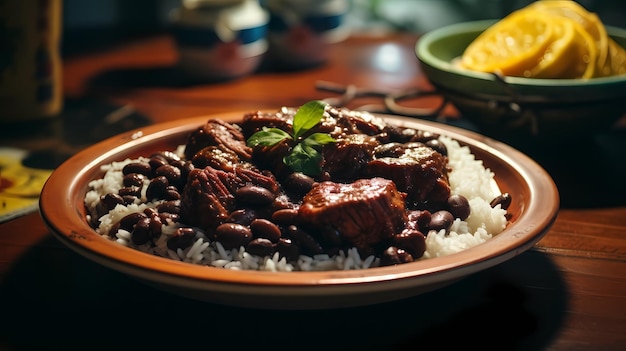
547,39
312,188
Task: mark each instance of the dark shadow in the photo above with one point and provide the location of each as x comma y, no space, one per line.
588,171
56,299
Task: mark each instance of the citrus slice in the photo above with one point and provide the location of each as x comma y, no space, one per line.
511,46
589,21
615,62
560,55
586,58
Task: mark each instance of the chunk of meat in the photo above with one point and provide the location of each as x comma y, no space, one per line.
253,122
420,172
206,200
216,157
215,132
347,159
366,212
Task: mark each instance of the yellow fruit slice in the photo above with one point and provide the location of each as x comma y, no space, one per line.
615,62
588,20
511,46
560,55
586,64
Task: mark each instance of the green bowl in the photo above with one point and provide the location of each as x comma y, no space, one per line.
514,107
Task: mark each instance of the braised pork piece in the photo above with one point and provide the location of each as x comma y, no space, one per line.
379,188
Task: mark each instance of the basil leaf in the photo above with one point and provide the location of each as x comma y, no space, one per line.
318,139
306,155
267,137
304,159
307,117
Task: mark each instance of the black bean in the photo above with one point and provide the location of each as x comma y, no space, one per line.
412,241
260,247
155,222
263,228
157,161
171,193
133,179
130,191
181,238
405,256
141,231
282,202
438,146
254,195
298,183
169,217
233,235
156,188
149,211
306,242
441,219
285,216
504,200
109,201
185,168
169,207
393,255
459,206
170,172
129,199
129,221
114,229
137,167
242,216
288,249
168,155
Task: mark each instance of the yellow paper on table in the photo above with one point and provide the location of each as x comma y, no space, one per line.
20,186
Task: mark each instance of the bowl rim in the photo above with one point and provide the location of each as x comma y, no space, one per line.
424,54
65,188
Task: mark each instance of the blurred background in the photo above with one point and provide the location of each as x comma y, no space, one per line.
88,25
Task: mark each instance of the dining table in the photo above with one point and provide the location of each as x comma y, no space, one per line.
567,292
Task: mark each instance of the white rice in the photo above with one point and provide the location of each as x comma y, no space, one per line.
468,177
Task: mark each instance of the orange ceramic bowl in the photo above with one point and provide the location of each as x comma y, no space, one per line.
533,210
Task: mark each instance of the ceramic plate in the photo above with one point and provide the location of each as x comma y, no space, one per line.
533,210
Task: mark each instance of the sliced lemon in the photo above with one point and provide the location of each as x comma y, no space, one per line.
616,61
589,21
511,46
560,54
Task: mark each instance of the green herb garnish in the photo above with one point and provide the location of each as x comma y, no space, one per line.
305,156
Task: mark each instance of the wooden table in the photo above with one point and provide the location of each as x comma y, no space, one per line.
567,293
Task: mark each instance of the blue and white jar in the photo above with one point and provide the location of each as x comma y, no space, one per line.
220,39
301,32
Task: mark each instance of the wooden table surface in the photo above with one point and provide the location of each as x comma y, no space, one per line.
566,293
